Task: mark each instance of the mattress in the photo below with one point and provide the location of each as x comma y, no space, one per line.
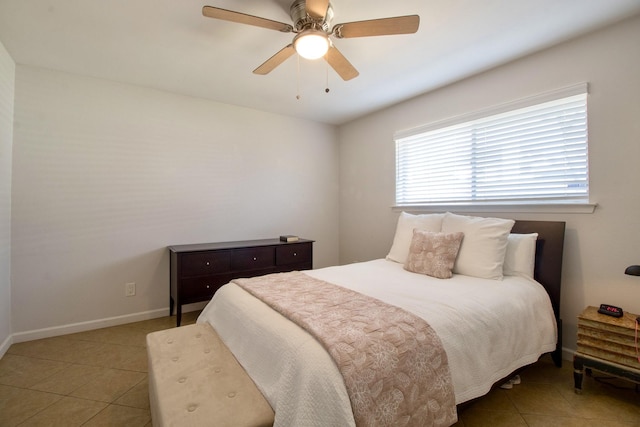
489,328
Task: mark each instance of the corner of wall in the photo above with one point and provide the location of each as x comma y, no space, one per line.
7,89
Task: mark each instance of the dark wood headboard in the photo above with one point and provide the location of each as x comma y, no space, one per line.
550,245
548,267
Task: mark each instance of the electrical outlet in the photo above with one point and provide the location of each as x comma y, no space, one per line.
130,289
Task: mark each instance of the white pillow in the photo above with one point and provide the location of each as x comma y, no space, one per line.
484,244
404,233
520,258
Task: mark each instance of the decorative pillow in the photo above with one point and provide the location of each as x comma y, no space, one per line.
432,253
485,243
520,258
404,233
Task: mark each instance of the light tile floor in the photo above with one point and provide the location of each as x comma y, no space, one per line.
99,378
93,378
546,397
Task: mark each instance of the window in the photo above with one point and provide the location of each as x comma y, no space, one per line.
533,154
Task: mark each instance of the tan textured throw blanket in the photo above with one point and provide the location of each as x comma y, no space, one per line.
394,367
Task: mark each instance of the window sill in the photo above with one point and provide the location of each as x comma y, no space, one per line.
564,208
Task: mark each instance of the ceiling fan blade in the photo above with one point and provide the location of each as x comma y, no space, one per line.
243,18
275,60
378,27
340,64
317,8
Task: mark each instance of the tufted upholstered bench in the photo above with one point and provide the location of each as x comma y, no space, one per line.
194,380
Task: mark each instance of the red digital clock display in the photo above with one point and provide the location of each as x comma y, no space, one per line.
610,310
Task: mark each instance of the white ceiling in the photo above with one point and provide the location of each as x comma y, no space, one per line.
169,45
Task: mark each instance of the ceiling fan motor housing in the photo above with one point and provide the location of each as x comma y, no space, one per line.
302,20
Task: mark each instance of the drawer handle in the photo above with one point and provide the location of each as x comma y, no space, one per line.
207,286
208,263
295,254
255,258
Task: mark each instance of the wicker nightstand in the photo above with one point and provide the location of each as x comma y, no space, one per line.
606,344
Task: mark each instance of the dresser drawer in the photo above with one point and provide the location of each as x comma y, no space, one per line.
253,258
293,254
201,288
204,263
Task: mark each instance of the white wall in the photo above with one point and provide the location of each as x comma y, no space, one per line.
7,84
106,175
598,246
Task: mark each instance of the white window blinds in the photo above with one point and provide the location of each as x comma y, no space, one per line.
536,154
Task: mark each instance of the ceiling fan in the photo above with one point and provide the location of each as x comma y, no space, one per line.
312,26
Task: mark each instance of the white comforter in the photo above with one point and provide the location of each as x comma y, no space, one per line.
489,328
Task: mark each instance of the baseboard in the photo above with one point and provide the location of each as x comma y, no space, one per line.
5,345
87,326
567,354
72,328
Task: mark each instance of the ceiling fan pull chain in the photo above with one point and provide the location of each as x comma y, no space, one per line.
327,88
298,77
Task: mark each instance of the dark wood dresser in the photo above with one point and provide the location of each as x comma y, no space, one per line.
198,270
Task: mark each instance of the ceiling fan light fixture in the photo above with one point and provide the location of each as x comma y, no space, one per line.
311,44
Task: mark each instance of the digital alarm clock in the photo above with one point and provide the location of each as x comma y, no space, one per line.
610,310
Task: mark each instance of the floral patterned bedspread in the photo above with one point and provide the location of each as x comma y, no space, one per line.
393,364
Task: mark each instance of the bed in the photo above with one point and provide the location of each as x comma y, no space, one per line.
489,327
